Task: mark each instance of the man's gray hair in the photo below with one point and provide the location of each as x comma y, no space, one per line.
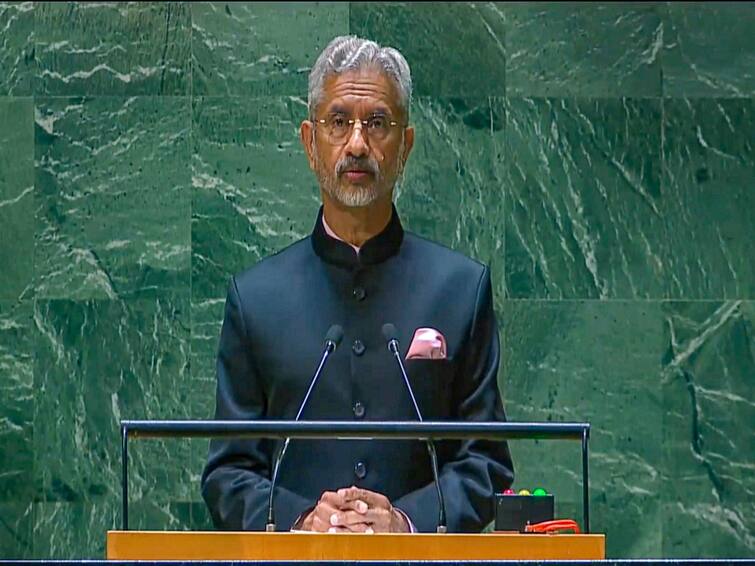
351,53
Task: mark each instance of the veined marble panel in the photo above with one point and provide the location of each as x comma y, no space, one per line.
453,48
584,209
113,195
16,531
583,49
16,403
260,48
709,49
200,517
253,191
596,362
206,321
709,198
16,196
708,484
78,530
452,191
114,48
16,48
97,363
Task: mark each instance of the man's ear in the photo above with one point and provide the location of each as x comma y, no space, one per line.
408,143
306,135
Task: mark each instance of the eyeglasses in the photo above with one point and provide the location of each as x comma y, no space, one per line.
338,128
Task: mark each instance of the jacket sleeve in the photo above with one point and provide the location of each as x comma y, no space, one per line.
236,479
479,468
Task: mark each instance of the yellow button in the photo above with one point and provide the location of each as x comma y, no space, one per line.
523,492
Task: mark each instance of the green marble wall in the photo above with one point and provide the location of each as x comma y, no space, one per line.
598,156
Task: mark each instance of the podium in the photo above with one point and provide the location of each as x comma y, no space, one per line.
286,546
198,545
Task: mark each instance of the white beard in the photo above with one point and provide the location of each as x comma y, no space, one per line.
350,197
356,197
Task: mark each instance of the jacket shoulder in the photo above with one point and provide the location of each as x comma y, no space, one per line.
422,250
269,269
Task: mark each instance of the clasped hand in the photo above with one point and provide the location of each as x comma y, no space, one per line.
355,510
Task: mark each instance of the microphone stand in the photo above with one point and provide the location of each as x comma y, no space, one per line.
332,340
393,348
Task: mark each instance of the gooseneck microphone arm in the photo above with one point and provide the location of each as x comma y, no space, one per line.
389,333
332,339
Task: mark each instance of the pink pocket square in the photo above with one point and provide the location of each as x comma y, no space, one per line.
427,343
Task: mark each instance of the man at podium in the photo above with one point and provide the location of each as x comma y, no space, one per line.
358,269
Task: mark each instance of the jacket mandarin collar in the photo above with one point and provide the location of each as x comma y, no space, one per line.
375,250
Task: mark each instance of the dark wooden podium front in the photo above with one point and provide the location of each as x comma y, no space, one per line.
193,545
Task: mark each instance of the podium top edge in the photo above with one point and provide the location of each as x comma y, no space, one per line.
356,430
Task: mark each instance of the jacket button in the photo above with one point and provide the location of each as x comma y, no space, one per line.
359,410
358,347
359,293
360,470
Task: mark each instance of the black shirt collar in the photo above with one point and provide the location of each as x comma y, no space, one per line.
375,250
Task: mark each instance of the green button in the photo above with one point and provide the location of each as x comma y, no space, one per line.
539,491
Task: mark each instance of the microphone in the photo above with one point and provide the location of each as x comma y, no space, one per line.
332,340
390,333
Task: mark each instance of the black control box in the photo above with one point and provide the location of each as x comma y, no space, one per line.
514,512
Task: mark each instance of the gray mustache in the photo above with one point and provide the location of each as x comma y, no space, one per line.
352,163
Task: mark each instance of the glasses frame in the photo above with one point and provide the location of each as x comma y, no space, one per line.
352,122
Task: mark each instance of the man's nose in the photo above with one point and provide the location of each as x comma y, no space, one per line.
357,143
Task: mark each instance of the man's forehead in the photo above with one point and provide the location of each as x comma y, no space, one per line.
369,86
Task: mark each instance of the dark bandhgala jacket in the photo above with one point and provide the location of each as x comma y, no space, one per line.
276,316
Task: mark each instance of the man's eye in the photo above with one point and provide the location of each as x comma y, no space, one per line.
377,122
338,122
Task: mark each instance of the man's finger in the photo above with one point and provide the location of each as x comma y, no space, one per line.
335,499
339,530
380,519
355,505
372,498
321,517
324,511
332,498
349,518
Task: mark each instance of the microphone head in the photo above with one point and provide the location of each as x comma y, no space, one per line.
389,332
334,335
